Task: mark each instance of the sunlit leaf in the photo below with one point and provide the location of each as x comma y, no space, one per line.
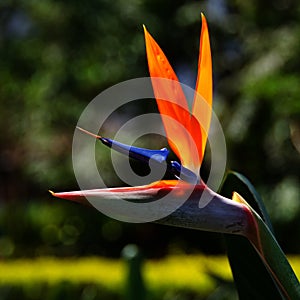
263,273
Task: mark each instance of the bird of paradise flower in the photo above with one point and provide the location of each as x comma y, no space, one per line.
188,132
220,214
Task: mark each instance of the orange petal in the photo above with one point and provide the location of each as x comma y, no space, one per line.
202,106
180,136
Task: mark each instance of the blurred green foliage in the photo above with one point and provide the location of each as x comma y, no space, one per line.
56,56
65,229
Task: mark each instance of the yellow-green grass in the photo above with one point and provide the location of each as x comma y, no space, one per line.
107,272
186,273
192,273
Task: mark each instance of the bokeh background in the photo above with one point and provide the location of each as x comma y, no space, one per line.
56,56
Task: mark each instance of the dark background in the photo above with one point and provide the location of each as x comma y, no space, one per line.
56,56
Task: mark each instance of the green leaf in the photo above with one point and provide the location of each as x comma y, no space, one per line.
251,268
236,182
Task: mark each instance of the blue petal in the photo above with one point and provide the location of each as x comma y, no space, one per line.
137,153
183,173
158,156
